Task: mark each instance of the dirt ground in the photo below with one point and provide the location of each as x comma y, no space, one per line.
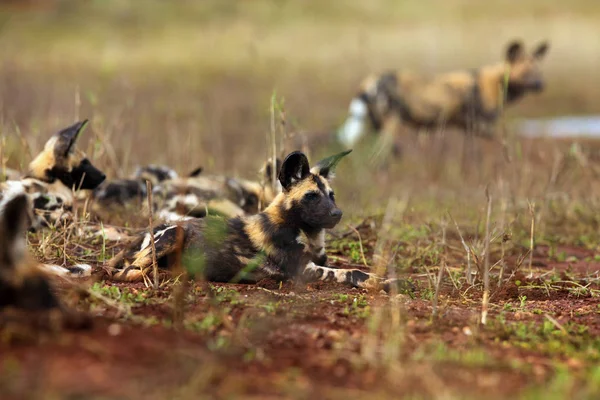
318,340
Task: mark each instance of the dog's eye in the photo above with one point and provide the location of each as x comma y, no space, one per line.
332,196
252,200
311,196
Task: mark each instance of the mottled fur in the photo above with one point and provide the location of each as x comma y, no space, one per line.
201,195
285,241
118,194
470,100
53,176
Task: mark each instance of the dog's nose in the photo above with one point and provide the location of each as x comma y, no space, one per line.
337,213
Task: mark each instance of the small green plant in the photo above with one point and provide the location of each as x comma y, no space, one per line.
359,307
355,254
124,295
522,300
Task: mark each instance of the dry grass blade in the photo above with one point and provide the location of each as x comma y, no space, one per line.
468,272
362,252
440,275
486,263
151,227
531,207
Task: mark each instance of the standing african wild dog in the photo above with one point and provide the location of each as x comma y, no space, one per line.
283,242
23,285
53,175
466,99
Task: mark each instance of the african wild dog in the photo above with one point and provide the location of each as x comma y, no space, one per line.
285,241
53,175
23,284
115,194
471,100
201,195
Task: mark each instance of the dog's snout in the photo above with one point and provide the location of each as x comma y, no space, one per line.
337,213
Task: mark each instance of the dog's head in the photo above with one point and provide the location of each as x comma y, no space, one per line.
309,198
61,160
524,68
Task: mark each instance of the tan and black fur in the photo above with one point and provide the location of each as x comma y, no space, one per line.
285,241
53,175
116,195
201,195
470,100
23,284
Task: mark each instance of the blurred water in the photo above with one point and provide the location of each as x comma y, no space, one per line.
561,127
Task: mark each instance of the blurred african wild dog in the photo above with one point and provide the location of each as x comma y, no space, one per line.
121,195
24,286
285,241
470,99
200,195
52,177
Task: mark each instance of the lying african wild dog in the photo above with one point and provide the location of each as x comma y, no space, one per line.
285,241
53,175
471,100
199,195
23,285
123,193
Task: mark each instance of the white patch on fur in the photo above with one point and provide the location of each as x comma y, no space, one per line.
85,269
158,234
339,274
11,189
157,237
146,242
354,125
170,216
76,271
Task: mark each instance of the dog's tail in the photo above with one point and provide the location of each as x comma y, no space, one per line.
373,101
354,126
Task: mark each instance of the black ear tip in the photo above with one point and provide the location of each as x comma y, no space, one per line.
82,124
515,44
293,154
196,172
292,162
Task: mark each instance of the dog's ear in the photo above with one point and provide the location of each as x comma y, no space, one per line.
68,137
196,172
269,168
326,167
514,51
541,50
294,168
